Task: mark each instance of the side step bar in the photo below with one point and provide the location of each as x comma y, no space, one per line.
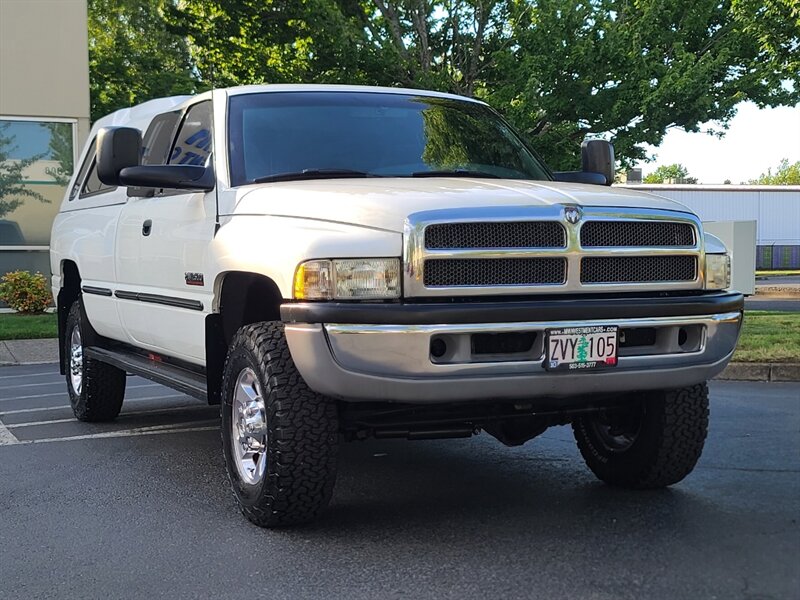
182,380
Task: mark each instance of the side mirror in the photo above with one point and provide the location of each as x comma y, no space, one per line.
117,148
597,156
175,177
597,164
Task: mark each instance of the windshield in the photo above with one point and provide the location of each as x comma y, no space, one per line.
335,134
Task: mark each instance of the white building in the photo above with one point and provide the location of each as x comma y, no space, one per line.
775,208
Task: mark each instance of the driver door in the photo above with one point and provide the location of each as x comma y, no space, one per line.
164,238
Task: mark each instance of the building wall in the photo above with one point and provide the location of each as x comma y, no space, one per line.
776,210
44,117
44,60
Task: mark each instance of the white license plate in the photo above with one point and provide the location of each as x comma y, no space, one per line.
579,348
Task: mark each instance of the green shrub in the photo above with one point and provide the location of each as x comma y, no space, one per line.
25,292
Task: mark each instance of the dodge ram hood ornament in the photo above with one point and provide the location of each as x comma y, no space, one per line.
573,214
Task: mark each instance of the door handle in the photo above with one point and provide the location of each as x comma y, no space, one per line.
147,227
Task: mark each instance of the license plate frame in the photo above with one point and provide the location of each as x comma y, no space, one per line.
566,334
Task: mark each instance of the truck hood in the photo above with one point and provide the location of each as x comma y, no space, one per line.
384,203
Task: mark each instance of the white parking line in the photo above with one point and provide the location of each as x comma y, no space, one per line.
155,430
29,375
130,387
21,411
27,385
6,437
134,413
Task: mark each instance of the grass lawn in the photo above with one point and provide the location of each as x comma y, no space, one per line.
24,327
769,336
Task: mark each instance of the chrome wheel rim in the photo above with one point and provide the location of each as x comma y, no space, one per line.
249,428
76,360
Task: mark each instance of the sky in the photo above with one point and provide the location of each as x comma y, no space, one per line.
757,140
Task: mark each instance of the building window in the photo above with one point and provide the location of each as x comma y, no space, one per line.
36,162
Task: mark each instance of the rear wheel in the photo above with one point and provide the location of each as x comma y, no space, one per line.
280,439
96,389
653,443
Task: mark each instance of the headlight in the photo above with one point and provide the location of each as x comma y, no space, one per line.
718,271
348,279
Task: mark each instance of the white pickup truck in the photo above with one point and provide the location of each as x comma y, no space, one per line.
333,262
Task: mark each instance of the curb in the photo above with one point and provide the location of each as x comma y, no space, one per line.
742,371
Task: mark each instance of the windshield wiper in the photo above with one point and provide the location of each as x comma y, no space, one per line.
313,174
455,173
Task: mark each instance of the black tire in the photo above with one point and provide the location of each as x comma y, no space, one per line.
102,387
657,443
301,444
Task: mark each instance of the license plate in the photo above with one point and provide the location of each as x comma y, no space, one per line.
580,348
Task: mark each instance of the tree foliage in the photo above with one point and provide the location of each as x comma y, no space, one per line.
785,174
560,70
60,147
13,189
675,173
133,56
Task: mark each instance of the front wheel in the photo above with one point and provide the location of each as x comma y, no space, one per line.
280,438
651,444
96,389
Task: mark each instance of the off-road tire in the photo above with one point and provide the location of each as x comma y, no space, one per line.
670,439
103,386
302,432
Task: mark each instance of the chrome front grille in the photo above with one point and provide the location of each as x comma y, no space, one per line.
638,269
496,250
520,234
450,272
625,234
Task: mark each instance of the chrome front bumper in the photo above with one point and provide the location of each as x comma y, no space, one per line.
368,362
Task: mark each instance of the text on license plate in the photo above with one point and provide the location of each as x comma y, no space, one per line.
593,347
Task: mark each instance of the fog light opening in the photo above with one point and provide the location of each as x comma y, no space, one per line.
438,348
690,339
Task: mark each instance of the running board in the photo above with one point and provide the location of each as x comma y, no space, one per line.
182,380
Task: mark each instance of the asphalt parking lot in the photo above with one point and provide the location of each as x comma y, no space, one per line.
141,508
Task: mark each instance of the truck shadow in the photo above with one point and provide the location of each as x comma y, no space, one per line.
478,487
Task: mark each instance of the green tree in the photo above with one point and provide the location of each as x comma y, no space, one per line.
785,174
13,189
676,173
560,70
133,56
61,151
634,70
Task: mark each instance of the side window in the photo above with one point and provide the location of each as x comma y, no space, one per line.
87,183
158,138
87,162
93,185
193,143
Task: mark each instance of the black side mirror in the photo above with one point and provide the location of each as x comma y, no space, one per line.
117,148
597,164
597,156
175,177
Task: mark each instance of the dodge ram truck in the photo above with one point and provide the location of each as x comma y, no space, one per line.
334,263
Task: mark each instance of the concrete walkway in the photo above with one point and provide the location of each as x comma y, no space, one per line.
22,352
